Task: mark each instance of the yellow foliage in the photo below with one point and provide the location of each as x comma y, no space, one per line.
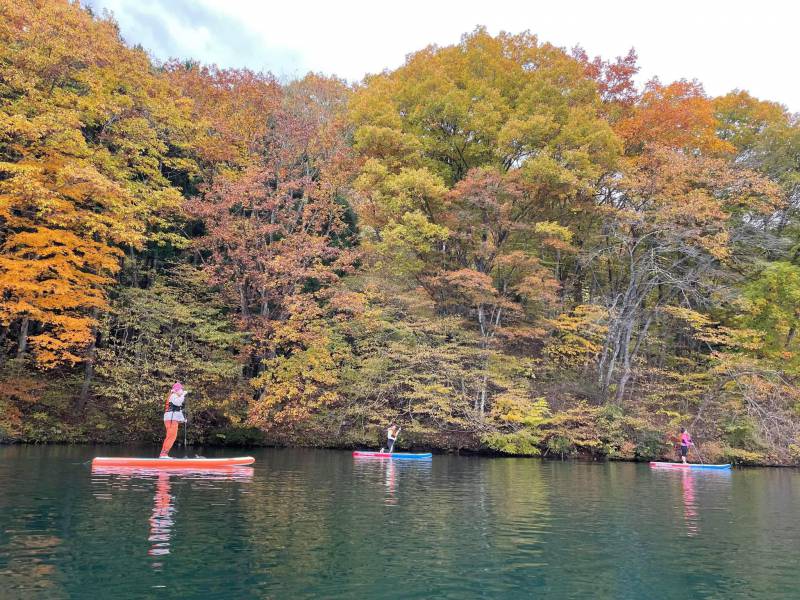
517,408
578,335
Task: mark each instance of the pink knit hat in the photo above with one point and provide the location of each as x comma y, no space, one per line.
177,387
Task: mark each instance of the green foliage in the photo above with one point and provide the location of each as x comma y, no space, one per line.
404,246
416,368
521,443
649,442
772,307
480,102
794,451
236,436
740,432
517,408
524,418
560,445
581,429
739,456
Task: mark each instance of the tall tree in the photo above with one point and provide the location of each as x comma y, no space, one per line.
276,239
670,235
478,159
90,137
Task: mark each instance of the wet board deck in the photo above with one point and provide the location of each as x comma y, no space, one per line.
172,463
670,465
392,455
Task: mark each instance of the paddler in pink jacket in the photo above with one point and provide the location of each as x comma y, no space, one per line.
685,441
173,417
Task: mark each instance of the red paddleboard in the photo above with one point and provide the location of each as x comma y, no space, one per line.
172,463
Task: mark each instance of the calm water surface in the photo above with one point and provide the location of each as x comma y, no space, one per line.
319,524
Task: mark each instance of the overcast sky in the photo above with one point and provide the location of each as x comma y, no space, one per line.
726,44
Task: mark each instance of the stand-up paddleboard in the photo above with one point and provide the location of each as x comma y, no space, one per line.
172,463
393,455
670,465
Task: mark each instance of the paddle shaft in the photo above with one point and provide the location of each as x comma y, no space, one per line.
700,456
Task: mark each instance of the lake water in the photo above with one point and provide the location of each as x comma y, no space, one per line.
320,524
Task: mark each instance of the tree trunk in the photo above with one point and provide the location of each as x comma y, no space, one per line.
482,407
22,341
790,336
625,353
630,354
243,302
3,335
620,328
88,371
134,269
577,290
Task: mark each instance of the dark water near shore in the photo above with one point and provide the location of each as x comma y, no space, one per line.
319,524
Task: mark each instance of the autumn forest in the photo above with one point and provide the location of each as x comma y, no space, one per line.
502,245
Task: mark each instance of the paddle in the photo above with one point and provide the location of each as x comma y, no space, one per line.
396,435
700,456
185,426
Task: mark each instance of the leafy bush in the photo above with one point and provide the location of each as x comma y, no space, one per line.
743,457
561,445
740,432
520,443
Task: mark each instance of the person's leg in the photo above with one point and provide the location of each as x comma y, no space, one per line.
391,446
683,454
172,433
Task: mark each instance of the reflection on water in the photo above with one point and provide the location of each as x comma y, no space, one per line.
391,482
708,481
389,470
319,524
162,517
689,507
214,474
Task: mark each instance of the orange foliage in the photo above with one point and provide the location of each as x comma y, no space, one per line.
678,115
88,135
235,103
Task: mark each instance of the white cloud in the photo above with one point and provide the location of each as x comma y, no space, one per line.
726,44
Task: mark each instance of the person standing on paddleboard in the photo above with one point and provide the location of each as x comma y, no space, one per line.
173,417
391,435
686,441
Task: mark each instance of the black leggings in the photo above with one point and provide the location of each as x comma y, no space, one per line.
391,445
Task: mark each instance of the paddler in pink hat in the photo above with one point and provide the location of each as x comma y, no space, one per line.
173,417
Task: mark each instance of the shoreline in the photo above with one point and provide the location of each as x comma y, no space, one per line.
465,452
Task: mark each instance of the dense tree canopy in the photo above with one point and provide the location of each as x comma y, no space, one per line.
501,245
